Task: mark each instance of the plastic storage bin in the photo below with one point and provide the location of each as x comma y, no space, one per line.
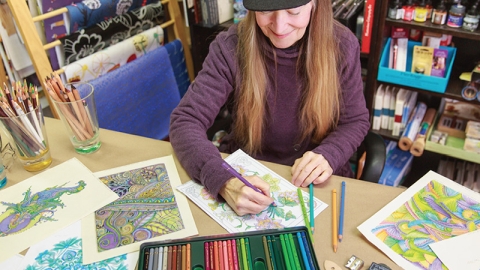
430,83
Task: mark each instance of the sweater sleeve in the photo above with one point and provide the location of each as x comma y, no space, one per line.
354,122
197,111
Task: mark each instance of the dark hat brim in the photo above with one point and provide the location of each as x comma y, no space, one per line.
272,5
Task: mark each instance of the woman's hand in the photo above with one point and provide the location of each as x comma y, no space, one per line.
310,168
243,199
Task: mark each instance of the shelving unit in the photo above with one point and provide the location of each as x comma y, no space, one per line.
467,44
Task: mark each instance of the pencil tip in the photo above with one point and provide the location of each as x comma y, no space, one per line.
340,237
335,249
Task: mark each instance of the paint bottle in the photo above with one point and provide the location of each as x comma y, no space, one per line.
395,10
429,8
408,11
470,22
455,16
439,15
3,173
420,14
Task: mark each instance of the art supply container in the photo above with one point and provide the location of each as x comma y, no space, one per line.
78,112
27,128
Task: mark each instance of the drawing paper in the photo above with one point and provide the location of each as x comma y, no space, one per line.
287,213
149,208
433,209
461,252
12,263
64,248
37,207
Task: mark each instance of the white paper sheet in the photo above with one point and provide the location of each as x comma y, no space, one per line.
12,263
433,209
37,207
461,252
287,213
139,214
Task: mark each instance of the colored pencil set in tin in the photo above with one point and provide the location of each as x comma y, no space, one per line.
283,249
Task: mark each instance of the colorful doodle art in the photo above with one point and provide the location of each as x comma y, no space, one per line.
434,209
287,213
146,208
34,208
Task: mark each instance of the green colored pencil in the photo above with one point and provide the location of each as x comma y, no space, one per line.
304,212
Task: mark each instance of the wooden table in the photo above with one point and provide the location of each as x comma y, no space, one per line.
363,199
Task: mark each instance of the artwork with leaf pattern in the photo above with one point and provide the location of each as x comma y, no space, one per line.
286,213
146,208
431,215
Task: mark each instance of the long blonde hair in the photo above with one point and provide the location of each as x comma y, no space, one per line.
316,66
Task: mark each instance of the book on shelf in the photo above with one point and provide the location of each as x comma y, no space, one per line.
378,106
385,118
367,25
391,111
401,99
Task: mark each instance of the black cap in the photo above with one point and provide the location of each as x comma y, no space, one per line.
271,5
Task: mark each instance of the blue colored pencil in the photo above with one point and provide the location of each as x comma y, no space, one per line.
312,209
308,252
302,250
342,212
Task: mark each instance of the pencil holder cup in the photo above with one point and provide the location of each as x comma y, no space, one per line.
27,128
78,113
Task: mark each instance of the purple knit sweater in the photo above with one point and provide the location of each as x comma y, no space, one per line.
216,82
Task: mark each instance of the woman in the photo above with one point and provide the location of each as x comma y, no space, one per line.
291,76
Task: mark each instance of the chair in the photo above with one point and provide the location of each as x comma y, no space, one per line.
37,51
373,146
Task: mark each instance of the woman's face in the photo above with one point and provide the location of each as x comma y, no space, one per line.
284,27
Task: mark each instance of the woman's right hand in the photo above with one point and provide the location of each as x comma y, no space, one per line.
243,199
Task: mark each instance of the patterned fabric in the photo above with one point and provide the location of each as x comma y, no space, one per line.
112,31
54,26
177,58
90,12
115,56
139,97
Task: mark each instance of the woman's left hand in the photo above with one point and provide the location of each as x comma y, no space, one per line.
310,168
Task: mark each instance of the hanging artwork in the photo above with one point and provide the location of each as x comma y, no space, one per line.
286,213
148,208
65,248
433,209
35,208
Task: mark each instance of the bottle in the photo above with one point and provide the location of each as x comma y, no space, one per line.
439,15
3,173
408,11
470,22
395,10
455,16
429,8
420,14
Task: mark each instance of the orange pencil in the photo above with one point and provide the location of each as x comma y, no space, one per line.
334,220
184,257
189,260
216,261
174,258
230,254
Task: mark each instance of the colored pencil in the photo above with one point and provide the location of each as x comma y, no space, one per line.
155,259
184,257
169,258
302,251
267,252
189,257
296,258
304,211
216,255
239,255
174,258
312,208
272,252
342,212
277,248
225,255
244,254
334,220
165,258
234,173
307,250
212,254
150,259
206,256
230,255
160,258
286,257
234,254
221,255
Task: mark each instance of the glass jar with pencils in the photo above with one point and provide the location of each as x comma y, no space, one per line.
22,116
75,104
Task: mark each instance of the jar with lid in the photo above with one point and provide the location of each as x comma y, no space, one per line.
470,22
408,10
395,10
420,13
439,15
455,16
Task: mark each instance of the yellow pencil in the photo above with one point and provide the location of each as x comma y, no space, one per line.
334,220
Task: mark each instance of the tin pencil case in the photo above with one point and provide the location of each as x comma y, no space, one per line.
277,249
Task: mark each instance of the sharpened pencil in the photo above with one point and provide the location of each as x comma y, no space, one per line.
312,208
334,220
342,213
